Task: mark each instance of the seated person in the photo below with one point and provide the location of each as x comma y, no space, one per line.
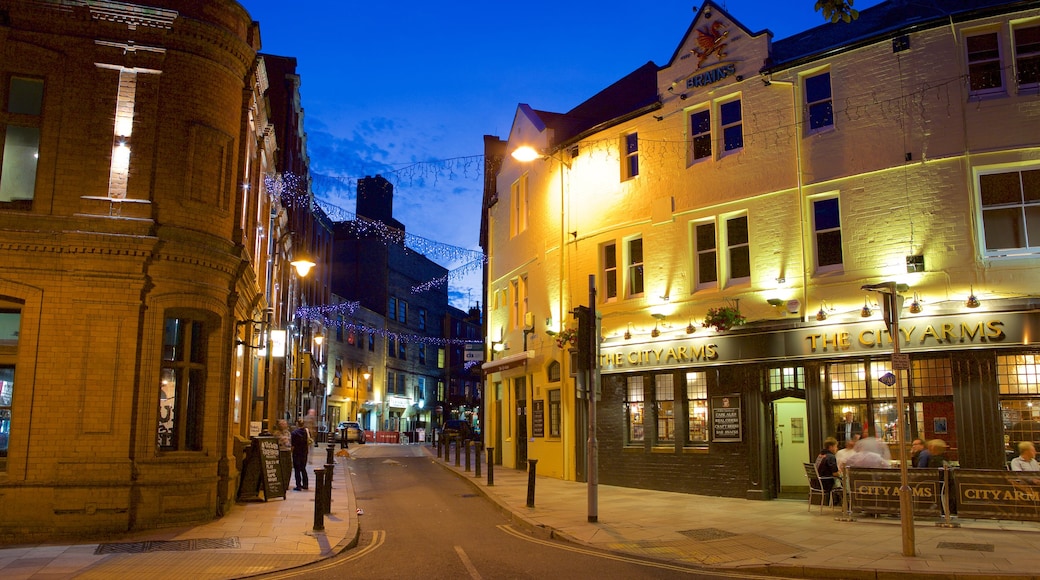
827,467
870,452
848,451
1026,460
915,451
932,456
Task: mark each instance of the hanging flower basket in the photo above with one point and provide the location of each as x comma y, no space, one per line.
566,337
723,318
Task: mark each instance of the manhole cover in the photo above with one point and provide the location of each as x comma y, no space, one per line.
965,546
707,534
168,546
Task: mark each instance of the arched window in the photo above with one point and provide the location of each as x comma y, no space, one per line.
553,371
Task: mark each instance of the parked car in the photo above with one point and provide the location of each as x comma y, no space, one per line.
456,428
353,431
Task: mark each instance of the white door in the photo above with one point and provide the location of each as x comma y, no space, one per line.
792,442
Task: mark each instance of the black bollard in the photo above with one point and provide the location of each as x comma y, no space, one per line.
319,510
440,447
327,499
458,451
532,465
491,466
466,444
328,453
476,457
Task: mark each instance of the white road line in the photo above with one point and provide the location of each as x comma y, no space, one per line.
378,538
469,565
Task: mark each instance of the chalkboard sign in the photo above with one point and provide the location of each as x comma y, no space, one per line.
725,419
538,419
269,467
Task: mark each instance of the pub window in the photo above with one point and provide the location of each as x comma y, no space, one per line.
519,207
707,256
554,413
700,134
1011,211
1027,55
635,267
610,272
630,167
985,73
664,406
697,406
634,404
827,226
182,384
1019,379
553,372
786,379
738,249
818,105
732,126
20,123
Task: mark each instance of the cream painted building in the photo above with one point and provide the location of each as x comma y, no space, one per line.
777,178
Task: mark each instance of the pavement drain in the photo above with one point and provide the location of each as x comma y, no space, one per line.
168,546
966,546
707,534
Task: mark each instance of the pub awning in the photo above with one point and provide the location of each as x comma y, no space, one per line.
507,362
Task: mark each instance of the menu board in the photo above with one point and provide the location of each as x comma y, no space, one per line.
269,466
538,419
725,419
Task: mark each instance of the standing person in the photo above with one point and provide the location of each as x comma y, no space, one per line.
844,453
311,423
827,467
300,449
284,435
1026,460
847,428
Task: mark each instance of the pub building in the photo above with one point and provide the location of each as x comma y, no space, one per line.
728,212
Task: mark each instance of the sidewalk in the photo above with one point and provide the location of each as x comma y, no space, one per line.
779,538
256,537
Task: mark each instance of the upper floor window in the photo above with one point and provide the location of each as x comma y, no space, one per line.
610,272
402,350
552,372
20,123
739,248
631,156
371,342
402,311
182,385
706,266
518,195
422,353
818,105
391,345
635,267
422,319
700,134
519,301
1010,210
731,123
985,74
1027,55
827,226
391,308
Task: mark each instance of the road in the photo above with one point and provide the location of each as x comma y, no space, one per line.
420,521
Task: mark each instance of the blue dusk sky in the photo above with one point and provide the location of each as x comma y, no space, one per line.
408,89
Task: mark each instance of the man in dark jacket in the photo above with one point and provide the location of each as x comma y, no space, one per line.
827,467
299,439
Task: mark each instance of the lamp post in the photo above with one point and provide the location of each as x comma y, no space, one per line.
893,303
358,374
302,266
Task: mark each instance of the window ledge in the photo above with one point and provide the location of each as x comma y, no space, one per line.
695,450
632,449
662,449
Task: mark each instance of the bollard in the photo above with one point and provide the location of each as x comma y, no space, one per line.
440,447
319,511
458,452
491,466
476,457
466,444
532,466
329,450
327,499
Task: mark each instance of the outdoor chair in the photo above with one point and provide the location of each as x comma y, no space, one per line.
816,487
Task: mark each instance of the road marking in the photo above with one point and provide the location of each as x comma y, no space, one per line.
466,562
378,539
617,557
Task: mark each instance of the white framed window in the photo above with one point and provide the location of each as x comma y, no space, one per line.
1010,202
554,413
705,256
985,73
20,123
635,267
634,401
609,271
514,314
819,107
182,385
524,297
664,407
1027,55
518,207
738,249
697,407
700,134
827,231
630,159
731,125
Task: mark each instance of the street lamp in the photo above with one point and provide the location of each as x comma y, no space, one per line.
302,266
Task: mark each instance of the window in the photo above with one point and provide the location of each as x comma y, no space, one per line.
10,321
554,413
1027,55
731,125
422,319
182,383
402,312
422,353
700,134
1010,210
827,225
631,157
371,342
391,345
553,372
440,358
634,405
738,248
697,406
20,123
402,350
519,286
391,308
1019,399
706,255
400,390
664,403
635,267
339,329
984,71
420,388
518,194
515,314
818,102
610,272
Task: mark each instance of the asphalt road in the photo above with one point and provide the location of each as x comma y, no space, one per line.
420,521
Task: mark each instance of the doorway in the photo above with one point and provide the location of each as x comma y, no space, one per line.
520,384
790,432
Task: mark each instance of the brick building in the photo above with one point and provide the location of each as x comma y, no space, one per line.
774,180
135,237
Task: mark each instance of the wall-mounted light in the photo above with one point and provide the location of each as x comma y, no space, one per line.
865,312
628,332
690,328
655,332
973,301
822,314
915,306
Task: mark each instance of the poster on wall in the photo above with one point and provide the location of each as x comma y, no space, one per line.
725,419
538,419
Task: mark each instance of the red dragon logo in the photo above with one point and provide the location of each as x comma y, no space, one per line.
710,40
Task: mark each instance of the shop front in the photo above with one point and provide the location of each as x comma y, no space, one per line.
737,414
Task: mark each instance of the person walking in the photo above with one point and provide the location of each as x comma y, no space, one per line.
284,435
300,448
